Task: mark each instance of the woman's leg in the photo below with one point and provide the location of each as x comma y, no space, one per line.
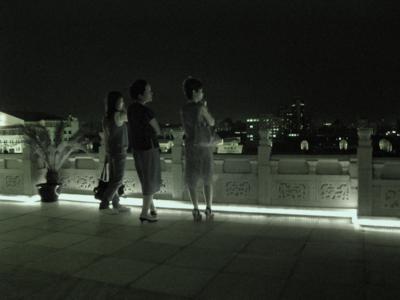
144,215
208,194
112,185
193,196
147,199
119,170
152,206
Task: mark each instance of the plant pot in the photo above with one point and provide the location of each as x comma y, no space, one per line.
48,192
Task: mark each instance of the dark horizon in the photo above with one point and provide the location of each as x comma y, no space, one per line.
341,58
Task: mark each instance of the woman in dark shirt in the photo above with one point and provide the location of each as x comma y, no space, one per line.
116,144
143,133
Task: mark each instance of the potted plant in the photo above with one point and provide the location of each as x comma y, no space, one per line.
53,152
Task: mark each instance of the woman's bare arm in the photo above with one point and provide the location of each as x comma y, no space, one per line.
120,117
207,116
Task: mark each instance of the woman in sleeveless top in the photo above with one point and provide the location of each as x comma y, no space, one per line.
199,159
116,145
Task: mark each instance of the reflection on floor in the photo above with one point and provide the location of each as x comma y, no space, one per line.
70,251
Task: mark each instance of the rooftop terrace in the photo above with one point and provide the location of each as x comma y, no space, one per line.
68,250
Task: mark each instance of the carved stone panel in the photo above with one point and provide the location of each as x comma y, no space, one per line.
391,198
293,192
78,182
329,192
240,189
235,188
11,183
166,184
132,184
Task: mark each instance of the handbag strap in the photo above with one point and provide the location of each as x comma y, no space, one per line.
105,173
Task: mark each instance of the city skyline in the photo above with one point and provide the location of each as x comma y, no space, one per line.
340,58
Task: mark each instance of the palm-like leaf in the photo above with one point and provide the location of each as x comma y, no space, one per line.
53,154
58,135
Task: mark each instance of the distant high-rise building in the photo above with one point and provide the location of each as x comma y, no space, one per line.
293,117
266,121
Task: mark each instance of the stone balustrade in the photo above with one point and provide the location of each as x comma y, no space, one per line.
315,181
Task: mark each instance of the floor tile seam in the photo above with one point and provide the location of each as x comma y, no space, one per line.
181,248
295,264
144,274
381,245
156,264
221,270
152,262
7,247
33,260
29,227
35,291
60,220
144,237
139,289
11,229
93,262
196,239
189,268
24,241
92,252
64,273
9,218
65,247
52,215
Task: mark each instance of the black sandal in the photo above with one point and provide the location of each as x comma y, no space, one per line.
208,212
196,215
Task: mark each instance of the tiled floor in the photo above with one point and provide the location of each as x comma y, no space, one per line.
70,251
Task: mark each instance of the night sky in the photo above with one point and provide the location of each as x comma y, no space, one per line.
341,57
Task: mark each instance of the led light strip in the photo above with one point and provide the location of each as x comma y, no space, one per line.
380,222
174,204
20,198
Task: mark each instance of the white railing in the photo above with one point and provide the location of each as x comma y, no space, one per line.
315,181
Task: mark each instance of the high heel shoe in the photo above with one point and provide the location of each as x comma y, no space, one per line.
153,213
196,215
148,218
208,212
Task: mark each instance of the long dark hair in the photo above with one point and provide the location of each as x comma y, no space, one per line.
191,84
112,99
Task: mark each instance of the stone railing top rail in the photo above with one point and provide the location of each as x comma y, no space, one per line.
310,157
11,155
382,160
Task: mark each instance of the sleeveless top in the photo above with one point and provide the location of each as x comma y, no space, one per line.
196,129
116,137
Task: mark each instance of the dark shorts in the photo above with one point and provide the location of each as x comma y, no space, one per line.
148,168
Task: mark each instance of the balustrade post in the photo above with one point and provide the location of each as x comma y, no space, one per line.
364,166
264,168
28,166
177,165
